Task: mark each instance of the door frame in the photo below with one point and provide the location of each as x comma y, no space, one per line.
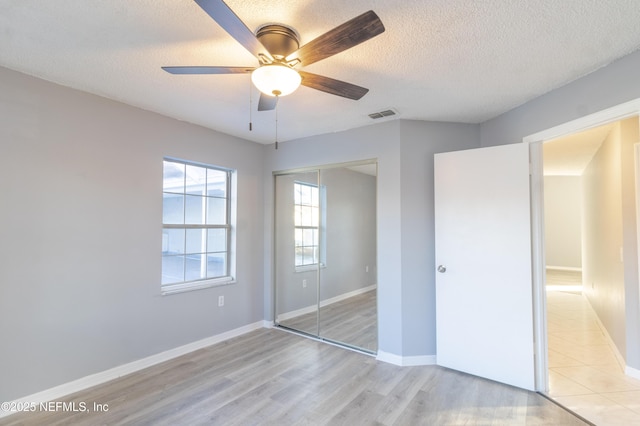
535,141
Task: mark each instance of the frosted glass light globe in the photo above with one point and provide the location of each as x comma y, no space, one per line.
276,79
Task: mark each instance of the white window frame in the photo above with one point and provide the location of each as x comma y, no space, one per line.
227,277
320,228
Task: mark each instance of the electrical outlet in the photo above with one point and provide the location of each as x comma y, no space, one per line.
366,268
304,283
220,300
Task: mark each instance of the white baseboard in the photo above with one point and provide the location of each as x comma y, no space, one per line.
564,268
406,361
308,309
267,324
632,372
574,288
612,345
298,312
86,382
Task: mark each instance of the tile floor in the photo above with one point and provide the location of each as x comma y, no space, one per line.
584,373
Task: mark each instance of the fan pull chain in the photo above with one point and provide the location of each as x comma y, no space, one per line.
250,107
277,121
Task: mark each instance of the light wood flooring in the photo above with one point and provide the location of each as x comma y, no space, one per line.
352,321
584,373
271,377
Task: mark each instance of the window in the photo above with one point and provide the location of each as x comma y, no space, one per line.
196,226
307,215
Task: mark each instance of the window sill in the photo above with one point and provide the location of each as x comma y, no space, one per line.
309,268
195,285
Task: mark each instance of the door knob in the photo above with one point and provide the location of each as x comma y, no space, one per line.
442,269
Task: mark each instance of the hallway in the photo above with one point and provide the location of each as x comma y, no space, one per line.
584,372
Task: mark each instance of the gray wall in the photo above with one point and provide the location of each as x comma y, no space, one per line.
607,87
80,225
351,232
405,229
563,221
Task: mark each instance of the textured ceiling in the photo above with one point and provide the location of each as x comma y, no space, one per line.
441,60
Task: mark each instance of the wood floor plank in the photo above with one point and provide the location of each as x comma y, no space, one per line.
272,377
413,381
352,321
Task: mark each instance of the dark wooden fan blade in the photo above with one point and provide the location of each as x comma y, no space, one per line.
208,70
335,87
343,37
229,21
267,103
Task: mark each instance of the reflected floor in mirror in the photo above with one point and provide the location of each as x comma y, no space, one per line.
271,377
352,321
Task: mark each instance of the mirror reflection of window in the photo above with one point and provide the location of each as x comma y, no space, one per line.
309,205
306,208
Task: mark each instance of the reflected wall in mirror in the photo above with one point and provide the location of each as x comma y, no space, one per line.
325,254
297,250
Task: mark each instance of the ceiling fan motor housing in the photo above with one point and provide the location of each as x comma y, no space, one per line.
279,39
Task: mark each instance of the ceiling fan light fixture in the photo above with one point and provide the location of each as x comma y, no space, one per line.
276,79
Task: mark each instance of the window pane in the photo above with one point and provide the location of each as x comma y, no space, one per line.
314,196
308,237
195,267
307,216
299,256
217,240
216,183
173,177
216,211
297,191
308,255
172,208
173,241
194,210
298,237
196,241
216,265
305,195
297,213
172,269
196,180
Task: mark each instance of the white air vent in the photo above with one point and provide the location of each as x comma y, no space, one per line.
382,114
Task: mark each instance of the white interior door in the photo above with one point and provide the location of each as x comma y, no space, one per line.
484,306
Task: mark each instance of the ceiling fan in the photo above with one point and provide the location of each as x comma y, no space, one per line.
278,51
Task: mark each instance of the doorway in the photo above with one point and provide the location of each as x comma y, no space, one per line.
595,325
326,255
583,198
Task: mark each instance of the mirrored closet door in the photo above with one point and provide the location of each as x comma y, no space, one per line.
297,242
325,253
